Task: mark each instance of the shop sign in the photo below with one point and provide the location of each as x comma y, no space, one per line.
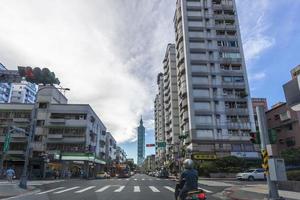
204,156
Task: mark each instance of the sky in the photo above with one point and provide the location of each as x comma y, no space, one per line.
109,52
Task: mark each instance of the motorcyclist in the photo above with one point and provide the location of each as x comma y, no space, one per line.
188,179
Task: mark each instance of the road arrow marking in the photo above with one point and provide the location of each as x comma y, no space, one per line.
136,189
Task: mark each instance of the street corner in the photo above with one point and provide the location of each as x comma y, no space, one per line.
9,191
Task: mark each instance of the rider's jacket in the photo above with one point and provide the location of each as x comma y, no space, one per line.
190,179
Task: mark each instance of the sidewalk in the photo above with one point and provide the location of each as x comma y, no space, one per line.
12,189
257,192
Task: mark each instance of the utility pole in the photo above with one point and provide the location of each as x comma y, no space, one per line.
5,148
264,137
23,179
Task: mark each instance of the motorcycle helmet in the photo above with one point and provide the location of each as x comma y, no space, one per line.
188,164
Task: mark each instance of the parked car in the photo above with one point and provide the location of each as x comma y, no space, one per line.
251,175
102,175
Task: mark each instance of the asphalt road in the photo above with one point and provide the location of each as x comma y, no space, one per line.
138,187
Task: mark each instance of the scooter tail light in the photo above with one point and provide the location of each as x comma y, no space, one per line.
202,196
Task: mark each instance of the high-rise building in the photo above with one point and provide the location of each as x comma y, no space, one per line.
216,111
23,92
4,89
160,153
141,143
171,110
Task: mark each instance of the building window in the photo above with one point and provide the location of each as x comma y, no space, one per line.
236,147
43,105
40,123
290,141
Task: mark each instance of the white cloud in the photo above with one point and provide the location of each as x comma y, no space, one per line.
254,27
257,76
107,52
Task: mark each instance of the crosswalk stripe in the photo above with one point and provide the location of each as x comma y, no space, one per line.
208,191
120,189
169,188
143,179
136,189
66,190
157,179
154,189
44,192
127,179
103,188
135,179
85,189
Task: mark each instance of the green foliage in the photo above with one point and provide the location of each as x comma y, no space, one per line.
293,175
291,156
230,164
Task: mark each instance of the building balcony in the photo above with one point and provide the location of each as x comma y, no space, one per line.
55,136
21,120
57,121
38,146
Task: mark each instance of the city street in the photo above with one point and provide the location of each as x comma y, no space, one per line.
136,187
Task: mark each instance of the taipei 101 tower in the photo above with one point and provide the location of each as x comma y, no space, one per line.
141,144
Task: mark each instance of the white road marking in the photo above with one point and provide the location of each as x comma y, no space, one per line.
120,189
143,179
154,189
136,189
103,188
158,179
44,192
208,191
169,188
135,179
85,189
66,190
127,179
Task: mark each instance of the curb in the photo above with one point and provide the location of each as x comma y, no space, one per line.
33,191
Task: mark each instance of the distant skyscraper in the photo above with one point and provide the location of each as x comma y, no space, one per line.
23,92
141,143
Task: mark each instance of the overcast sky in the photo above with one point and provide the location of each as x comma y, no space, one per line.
109,52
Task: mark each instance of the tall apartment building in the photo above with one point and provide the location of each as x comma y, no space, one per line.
4,89
23,92
141,143
216,111
160,153
67,135
171,110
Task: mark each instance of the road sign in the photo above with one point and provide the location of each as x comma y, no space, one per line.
161,144
198,156
150,145
6,142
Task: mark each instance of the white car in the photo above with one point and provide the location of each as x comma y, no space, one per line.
251,175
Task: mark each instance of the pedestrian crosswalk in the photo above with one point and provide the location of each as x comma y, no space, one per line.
110,188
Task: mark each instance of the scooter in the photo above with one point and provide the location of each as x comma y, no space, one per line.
198,194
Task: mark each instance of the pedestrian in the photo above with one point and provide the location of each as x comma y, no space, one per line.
10,173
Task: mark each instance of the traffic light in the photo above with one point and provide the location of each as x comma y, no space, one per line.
38,76
265,160
255,138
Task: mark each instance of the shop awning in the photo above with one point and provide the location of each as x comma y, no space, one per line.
81,157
